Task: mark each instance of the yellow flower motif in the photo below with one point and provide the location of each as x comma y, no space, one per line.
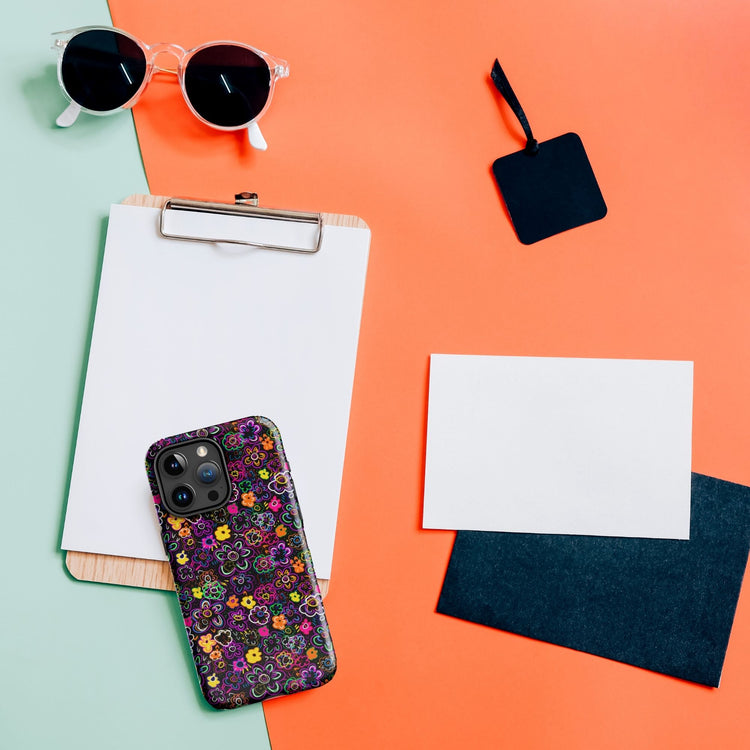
312,653
212,680
263,474
198,593
222,533
248,602
294,596
253,656
181,558
207,643
175,523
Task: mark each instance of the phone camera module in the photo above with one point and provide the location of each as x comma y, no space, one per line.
174,464
208,472
192,477
182,496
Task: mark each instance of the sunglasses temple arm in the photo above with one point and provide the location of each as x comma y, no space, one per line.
69,116
256,137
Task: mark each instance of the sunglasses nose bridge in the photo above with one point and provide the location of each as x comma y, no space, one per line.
172,50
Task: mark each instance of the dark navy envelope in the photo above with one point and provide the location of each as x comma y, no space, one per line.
661,604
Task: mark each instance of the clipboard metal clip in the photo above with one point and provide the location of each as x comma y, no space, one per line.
245,205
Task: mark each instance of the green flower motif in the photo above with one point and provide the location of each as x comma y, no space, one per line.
263,564
214,590
277,608
232,441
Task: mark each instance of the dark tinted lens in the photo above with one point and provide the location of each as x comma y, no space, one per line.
102,70
227,85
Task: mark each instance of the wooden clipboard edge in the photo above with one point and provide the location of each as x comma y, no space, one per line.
156,574
130,571
124,571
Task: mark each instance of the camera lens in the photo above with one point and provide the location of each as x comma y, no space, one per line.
182,496
174,464
208,472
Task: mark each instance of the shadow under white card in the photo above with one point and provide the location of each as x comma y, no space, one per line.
190,334
559,446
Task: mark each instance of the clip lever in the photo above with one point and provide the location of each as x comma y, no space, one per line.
246,205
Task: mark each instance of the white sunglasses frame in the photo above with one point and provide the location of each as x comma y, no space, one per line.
277,67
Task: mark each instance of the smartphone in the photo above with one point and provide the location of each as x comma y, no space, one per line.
232,530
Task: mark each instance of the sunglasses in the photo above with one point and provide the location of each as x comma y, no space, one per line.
226,85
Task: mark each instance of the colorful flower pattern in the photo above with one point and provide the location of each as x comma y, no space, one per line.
244,577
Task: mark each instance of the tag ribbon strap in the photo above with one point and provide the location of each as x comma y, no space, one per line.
503,86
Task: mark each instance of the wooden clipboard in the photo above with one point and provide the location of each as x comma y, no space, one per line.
156,574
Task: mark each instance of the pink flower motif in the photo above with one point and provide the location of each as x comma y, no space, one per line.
232,508
305,627
275,505
239,665
263,631
209,542
188,622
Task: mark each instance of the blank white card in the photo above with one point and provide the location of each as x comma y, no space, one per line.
559,446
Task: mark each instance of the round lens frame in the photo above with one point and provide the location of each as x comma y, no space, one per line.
227,85
103,70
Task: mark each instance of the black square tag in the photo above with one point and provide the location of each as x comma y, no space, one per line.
551,190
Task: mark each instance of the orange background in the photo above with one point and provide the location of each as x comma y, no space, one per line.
389,114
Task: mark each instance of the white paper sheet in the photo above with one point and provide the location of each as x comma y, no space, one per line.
559,446
260,332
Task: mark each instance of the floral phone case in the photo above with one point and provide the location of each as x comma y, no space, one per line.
247,589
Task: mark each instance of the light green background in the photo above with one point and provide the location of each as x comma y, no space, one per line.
81,665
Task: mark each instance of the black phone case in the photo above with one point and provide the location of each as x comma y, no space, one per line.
244,577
